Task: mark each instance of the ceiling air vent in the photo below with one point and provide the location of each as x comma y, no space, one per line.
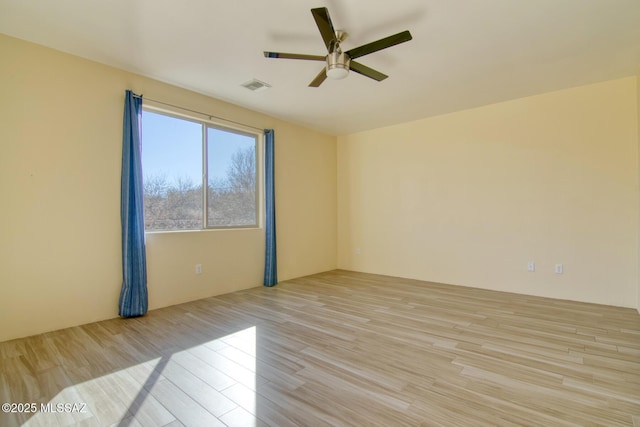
256,85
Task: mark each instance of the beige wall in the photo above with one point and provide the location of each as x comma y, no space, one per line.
638,111
468,198
60,153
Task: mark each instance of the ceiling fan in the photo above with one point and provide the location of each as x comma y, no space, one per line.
339,62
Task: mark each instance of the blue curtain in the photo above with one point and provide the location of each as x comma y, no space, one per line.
133,297
270,260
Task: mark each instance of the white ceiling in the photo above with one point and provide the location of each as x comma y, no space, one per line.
464,53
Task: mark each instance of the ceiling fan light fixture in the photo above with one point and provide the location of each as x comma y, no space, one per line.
338,65
337,62
337,73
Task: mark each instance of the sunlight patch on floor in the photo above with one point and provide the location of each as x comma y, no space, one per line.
212,381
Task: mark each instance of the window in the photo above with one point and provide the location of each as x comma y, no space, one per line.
178,156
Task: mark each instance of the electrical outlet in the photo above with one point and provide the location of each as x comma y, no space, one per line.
357,251
531,266
198,268
559,269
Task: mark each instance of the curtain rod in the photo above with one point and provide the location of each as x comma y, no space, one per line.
211,116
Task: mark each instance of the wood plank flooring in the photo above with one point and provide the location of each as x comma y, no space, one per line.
340,349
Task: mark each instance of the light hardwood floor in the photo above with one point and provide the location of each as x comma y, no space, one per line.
338,348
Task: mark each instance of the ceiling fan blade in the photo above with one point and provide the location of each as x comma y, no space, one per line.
319,78
294,56
366,71
323,21
384,43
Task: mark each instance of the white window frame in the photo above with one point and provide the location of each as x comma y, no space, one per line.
225,126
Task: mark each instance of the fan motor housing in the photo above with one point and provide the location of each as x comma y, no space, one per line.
338,65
